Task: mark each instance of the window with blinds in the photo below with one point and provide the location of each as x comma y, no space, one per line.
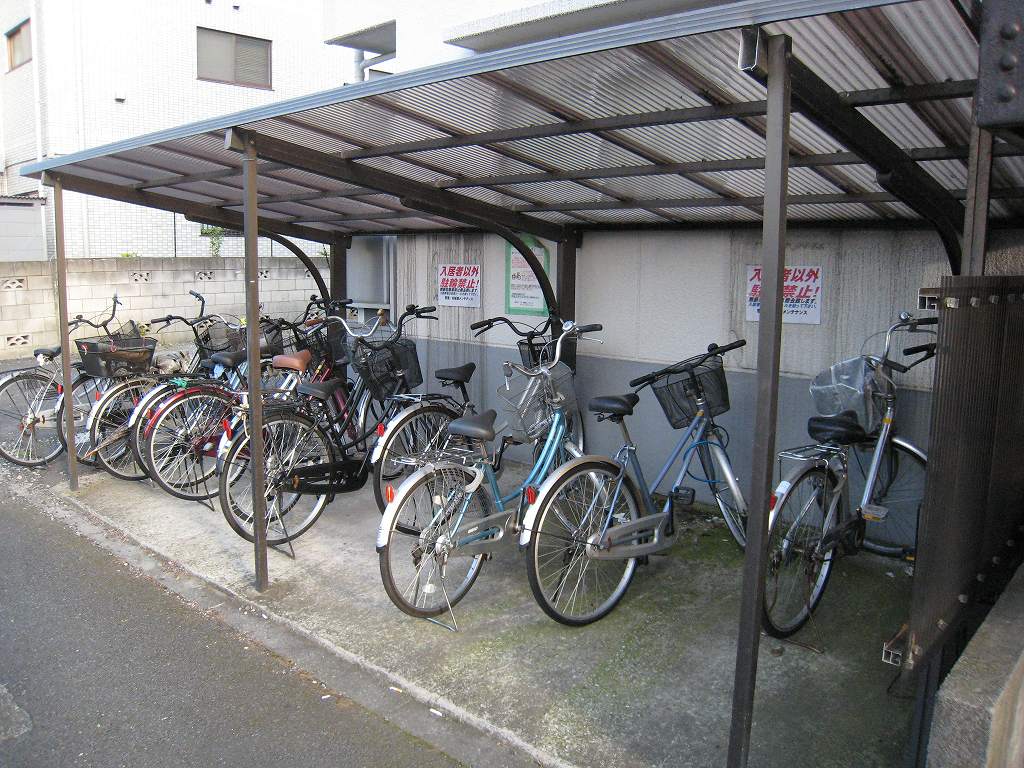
224,57
19,45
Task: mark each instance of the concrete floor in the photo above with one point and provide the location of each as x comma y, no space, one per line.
650,685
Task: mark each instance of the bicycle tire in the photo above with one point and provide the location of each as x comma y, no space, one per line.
413,534
552,521
85,393
416,426
233,475
23,397
109,429
902,475
795,526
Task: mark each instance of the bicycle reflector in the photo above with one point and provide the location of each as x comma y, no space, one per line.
771,500
531,494
227,427
389,493
380,430
60,389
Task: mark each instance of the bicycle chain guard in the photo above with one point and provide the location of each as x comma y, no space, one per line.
328,478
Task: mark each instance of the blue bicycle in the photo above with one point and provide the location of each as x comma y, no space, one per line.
595,517
447,517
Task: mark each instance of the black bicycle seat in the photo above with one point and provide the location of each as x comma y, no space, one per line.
475,426
319,389
841,429
47,352
461,373
229,359
615,405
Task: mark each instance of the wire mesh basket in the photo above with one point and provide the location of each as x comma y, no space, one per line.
541,350
216,336
529,402
116,355
678,392
382,369
851,385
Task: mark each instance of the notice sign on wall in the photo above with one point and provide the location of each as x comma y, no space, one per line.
523,294
801,294
458,285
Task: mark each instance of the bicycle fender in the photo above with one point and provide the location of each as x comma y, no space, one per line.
392,425
545,491
391,510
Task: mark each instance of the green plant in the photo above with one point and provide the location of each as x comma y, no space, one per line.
129,255
216,235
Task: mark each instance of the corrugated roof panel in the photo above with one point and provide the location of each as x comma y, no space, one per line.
1011,167
481,105
295,134
668,185
574,152
862,175
952,174
402,168
938,36
369,124
173,161
607,83
901,124
846,211
489,195
472,161
716,213
711,140
802,181
830,54
556,217
552,192
627,216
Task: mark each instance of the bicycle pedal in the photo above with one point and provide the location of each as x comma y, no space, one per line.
683,495
874,512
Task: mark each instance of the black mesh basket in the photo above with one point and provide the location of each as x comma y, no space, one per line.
108,356
542,350
678,392
380,368
217,337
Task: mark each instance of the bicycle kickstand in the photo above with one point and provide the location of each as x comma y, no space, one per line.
454,625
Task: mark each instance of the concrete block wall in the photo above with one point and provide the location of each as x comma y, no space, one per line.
146,287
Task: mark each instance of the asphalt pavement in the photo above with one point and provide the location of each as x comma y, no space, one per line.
101,666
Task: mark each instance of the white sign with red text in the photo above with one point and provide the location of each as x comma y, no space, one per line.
458,285
801,294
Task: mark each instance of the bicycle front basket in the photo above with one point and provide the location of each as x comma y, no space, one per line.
850,385
530,401
108,356
677,393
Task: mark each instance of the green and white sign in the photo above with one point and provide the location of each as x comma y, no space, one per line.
523,295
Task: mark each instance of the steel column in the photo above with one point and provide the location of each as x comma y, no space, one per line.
339,286
566,278
65,334
769,343
979,178
252,320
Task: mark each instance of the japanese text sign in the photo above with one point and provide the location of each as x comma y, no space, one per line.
801,294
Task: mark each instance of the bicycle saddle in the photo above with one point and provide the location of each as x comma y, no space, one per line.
841,429
461,374
47,352
296,362
319,389
615,405
234,359
475,426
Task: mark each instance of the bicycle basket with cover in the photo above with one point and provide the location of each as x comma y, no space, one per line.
852,385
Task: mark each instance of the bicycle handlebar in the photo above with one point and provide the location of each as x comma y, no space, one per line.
569,329
486,325
689,364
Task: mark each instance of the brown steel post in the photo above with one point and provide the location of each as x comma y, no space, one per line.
252,316
979,177
769,343
566,276
65,334
338,270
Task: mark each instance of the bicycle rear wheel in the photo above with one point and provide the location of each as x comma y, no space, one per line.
570,586
422,571
899,489
797,570
414,431
28,412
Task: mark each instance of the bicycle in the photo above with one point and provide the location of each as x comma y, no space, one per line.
310,454
448,516
420,427
595,517
810,521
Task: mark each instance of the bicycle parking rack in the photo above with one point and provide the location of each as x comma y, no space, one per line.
291,170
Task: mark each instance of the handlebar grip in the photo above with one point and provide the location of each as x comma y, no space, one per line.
646,379
426,310
480,324
897,366
927,321
164,319
593,327
196,295
721,350
929,348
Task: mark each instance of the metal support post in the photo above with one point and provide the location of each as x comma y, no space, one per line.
566,277
338,269
769,343
65,334
253,334
979,178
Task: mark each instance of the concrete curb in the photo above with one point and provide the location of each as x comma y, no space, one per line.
98,528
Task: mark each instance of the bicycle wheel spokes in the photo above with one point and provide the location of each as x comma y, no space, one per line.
28,434
110,431
797,567
899,489
421,562
181,444
570,586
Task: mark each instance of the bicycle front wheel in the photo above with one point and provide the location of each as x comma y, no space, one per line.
421,566
797,569
899,489
415,431
86,392
28,419
570,586
109,432
290,441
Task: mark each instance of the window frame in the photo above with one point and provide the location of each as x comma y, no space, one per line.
9,36
235,35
